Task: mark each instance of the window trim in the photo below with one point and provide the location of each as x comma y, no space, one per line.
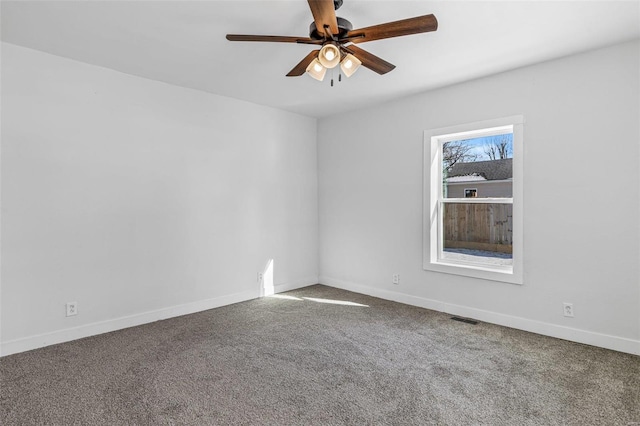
432,186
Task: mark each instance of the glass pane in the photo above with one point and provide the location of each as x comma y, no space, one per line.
478,233
478,167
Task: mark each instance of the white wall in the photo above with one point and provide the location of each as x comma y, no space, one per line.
581,192
141,200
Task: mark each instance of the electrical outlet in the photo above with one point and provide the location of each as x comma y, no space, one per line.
396,279
72,309
260,276
568,309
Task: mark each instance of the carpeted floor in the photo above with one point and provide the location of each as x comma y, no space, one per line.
294,359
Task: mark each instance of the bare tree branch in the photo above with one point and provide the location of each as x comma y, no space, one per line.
498,148
456,152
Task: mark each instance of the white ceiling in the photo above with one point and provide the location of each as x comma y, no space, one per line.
183,43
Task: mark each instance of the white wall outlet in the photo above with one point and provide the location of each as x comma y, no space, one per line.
260,276
396,279
568,309
72,309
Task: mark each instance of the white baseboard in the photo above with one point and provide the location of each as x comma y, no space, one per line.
615,343
66,335
581,336
305,282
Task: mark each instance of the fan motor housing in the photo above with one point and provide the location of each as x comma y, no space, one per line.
344,27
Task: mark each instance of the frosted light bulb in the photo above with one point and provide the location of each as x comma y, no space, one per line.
350,64
329,56
317,67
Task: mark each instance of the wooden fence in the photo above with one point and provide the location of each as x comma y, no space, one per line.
478,226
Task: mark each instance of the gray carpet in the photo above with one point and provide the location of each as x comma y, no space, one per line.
295,361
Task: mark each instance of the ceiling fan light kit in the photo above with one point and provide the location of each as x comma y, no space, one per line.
338,40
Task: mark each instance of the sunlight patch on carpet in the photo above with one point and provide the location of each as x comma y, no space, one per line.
335,302
284,296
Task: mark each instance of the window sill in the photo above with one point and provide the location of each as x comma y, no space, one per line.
502,274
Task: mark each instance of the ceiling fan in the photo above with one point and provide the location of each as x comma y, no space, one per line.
338,40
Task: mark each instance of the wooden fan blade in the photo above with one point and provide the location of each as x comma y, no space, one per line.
270,38
419,24
370,60
301,68
324,14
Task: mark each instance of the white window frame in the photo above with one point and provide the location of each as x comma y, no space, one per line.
433,201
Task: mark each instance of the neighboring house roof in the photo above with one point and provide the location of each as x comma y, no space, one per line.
489,170
470,178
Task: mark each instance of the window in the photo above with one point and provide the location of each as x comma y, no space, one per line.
470,192
473,200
